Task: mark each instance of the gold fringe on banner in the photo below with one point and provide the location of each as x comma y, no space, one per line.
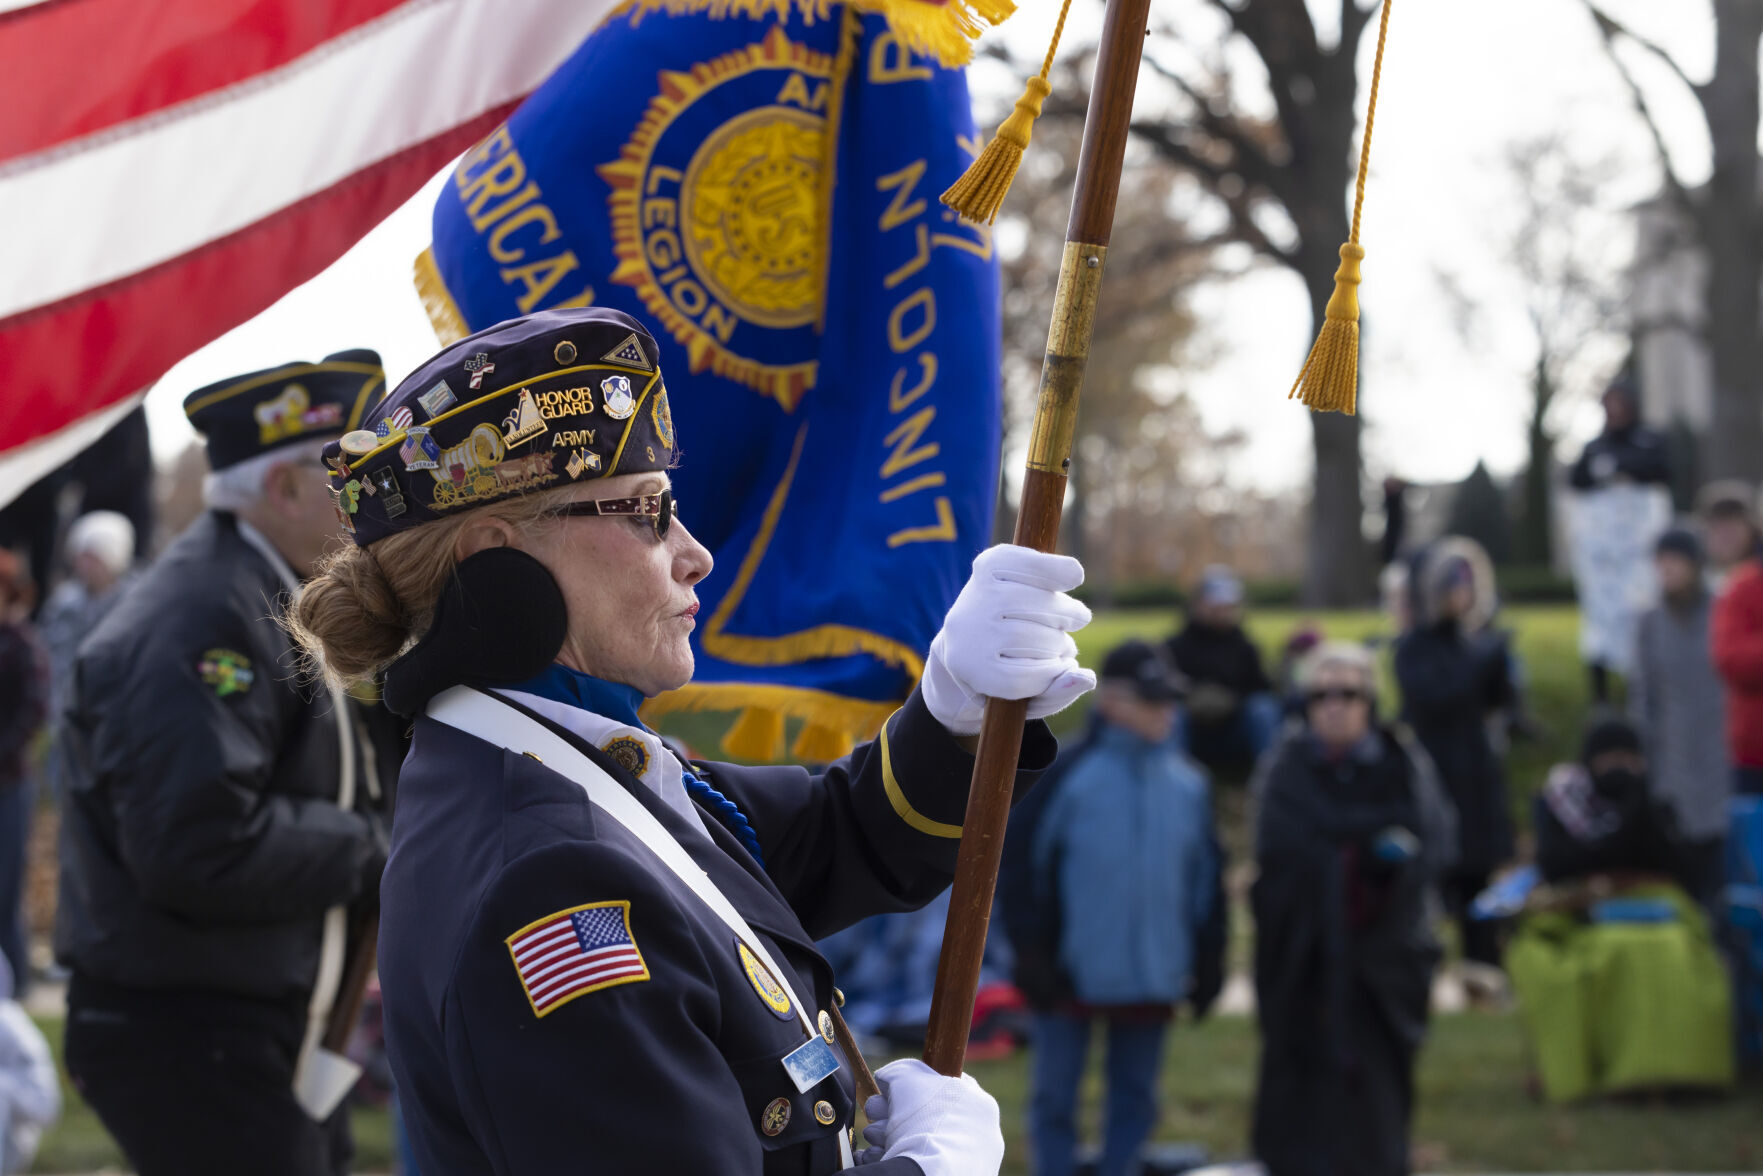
945,31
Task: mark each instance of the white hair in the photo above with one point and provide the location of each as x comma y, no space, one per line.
1337,654
107,536
240,486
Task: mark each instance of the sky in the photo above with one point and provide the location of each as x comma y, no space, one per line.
1461,82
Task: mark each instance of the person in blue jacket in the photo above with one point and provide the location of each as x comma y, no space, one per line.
1124,880
595,956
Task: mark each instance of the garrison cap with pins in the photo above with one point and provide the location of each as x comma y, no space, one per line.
243,416
529,404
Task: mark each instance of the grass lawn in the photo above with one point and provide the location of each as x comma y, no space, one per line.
1474,1115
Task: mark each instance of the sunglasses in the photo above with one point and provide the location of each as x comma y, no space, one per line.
1337,694
657,508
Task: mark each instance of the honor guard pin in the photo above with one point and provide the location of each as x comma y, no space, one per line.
824,1113
775,1117
523,422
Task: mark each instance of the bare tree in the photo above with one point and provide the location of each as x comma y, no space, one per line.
1282,182
1725,215
1563,251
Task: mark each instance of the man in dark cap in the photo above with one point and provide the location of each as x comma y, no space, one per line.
1678,704
1118,916
221,817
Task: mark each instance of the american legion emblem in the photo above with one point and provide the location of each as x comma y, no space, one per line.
717,220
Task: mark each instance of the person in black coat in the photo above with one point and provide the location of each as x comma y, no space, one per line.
1599,816
222,821
1351,833
1232,711
595,956
1454,672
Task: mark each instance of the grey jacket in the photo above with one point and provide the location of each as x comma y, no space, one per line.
1678,702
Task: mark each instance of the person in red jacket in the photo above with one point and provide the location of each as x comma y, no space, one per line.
1738,654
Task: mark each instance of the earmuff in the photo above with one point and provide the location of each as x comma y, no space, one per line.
501,620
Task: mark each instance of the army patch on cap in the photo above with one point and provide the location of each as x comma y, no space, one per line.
764,983
227,670
574,952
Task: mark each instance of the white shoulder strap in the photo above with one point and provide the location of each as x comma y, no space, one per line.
495,722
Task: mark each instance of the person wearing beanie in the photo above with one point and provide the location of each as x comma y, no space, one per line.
1600,815
1232,711
222,817
1678,702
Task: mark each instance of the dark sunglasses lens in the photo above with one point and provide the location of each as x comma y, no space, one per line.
1336,695
664,520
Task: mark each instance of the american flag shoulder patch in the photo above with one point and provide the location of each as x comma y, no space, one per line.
574,952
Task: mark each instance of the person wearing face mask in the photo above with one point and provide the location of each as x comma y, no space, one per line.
1351,833
1454,672
1613,963
1599,816
592,953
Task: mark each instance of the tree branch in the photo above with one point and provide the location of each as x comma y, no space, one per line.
1609,29
1251,159
1243,226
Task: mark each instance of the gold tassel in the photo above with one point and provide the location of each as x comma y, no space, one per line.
980,191
818,744
757,736
1330,379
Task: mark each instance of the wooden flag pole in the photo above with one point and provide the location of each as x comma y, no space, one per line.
1037,521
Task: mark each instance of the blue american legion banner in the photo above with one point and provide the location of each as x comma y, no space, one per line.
763,193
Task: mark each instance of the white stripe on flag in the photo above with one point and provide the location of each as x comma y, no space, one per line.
587,974
537,977
543,938
142,193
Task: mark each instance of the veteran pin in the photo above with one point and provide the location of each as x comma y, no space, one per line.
616,392
764,983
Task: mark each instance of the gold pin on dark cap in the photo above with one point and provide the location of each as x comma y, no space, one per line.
360,442
565,352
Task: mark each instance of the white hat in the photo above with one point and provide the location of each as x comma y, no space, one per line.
105,534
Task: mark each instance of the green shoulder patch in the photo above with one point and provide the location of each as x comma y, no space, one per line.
227,670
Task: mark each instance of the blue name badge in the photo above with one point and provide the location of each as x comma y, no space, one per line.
811,1064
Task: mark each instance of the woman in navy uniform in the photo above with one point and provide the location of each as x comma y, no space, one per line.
594,956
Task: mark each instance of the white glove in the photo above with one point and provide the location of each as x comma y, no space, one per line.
1008,635
948,1126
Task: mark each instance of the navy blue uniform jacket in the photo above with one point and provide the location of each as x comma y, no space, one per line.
674,1073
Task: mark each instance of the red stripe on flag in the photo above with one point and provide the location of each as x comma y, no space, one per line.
71,359
587,979
77,67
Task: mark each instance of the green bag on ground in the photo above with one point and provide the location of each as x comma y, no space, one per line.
1615,1006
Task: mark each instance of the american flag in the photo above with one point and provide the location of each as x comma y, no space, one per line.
574,952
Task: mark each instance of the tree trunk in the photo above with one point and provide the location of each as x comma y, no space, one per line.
1730,233
1534,544
1338,564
